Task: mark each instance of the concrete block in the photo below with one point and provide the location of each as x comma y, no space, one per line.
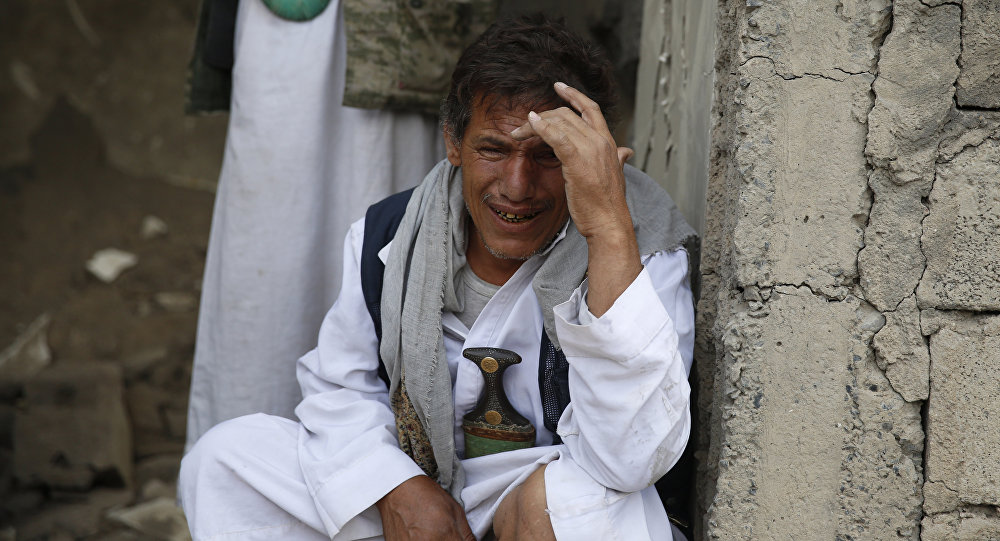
938,498
800,212
72,430
912,105
963,445
814,439
969,525
979,81
902,353
959,236
818,38
891,262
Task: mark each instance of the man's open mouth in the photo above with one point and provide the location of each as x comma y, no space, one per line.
514,218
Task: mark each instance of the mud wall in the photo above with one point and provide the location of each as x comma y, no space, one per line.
847,327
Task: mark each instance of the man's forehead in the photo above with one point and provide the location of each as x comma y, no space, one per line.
491,107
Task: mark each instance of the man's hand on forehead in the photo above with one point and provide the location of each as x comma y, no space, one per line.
593,168
591,161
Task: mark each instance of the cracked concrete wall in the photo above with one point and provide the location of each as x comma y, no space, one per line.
848,341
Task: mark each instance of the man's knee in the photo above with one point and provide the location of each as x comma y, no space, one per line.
220,446
523,514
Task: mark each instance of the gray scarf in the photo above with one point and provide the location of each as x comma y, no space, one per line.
427,252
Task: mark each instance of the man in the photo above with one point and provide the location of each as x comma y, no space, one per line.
491,251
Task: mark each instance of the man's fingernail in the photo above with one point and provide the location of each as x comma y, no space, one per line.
533,116
561,85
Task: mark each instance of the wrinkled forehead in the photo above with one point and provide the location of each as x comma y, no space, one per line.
495,105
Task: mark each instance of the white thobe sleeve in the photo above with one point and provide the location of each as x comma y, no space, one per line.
348,449
629,418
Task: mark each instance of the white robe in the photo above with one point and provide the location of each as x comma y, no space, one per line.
260,477
298,169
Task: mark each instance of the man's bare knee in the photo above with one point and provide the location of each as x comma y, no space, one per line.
522,514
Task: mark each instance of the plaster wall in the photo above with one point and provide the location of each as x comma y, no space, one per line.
847,329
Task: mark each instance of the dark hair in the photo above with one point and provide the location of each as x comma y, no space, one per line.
516,61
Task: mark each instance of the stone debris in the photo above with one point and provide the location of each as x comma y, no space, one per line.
158,467
152,227
159,519
71,431
72,515
109,263
20,74
29,353
176,301
143,361
156,489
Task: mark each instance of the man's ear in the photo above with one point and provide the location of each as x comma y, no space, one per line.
454,151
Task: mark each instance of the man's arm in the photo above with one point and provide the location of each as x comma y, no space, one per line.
348,448
595,191
628,420
627,377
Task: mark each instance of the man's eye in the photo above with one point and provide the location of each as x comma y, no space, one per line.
547,158
491,152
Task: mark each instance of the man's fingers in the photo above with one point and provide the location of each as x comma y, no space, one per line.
589,110
624,155
562,129
561,120
525,131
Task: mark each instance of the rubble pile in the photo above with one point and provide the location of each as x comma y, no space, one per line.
96,340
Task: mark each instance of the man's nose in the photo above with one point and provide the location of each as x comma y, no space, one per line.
518,182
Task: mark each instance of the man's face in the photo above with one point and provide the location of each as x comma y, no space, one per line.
514,190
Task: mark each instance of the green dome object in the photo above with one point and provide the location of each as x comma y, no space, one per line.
296,10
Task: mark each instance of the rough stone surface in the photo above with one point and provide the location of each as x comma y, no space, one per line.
801,212
820,430
816,427
965,525
72,431
892,263
912,105
963,442
979,82
960,233
816,38
902,353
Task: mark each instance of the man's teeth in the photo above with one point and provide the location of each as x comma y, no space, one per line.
514,217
